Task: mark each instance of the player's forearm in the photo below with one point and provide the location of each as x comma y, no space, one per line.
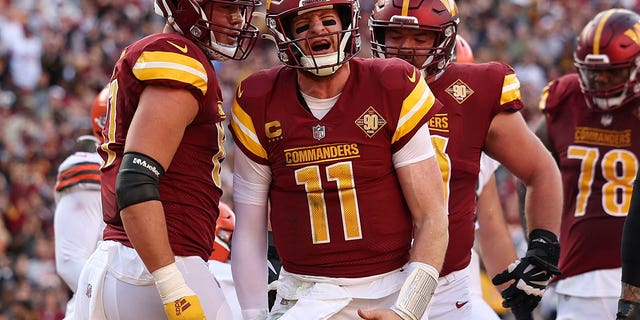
147,230
496,249
543,203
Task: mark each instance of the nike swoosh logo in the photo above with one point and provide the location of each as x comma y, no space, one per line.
182,49
413,76
240,91
461,304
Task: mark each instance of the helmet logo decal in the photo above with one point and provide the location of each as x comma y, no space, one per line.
634,33
459,91
370,122
450,5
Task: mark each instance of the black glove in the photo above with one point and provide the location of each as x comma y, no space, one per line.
531,274
628,310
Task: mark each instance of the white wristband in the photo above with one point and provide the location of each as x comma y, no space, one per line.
171,284
416,292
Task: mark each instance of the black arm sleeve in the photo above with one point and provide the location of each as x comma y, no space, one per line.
631,239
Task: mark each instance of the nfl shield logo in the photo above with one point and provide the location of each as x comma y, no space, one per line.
318,132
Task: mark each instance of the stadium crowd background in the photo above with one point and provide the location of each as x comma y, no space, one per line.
55,55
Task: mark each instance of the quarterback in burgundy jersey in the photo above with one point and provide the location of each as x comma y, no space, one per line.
479,113
338,149
162,152
593,127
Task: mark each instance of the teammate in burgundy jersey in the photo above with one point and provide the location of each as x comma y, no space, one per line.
480,113
339,146
161,174
77,221
593,123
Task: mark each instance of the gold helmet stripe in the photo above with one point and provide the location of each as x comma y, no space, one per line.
598,35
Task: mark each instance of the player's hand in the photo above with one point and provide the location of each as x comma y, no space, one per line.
379,314
530,274
185,308
180,302
628,310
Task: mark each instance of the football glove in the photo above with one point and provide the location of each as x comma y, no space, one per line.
628,310
531,274
180,302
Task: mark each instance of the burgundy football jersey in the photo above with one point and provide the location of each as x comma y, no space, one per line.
191,186
598,161
472,94
336,205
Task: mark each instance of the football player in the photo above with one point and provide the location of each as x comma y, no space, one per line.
480,113
163,148
77,221
592,123
629,303
340,147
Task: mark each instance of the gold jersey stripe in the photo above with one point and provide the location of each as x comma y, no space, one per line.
173,66
414,108
245,132
510,89
542,105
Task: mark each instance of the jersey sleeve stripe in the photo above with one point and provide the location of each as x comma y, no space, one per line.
80,173
542,105
245,132
153,65
414,108
510,89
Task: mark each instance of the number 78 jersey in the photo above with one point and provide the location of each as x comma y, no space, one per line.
598,154
337,209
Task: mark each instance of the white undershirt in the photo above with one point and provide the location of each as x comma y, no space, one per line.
319,107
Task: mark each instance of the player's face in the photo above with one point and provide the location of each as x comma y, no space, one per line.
412,45
319,31
602,79
225,15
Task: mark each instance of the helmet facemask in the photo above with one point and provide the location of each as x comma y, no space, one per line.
290,48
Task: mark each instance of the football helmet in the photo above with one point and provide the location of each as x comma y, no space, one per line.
463,53
438,16
188,17
225,224
99,113
607,58
279,18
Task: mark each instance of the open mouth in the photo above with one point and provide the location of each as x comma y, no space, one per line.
320,47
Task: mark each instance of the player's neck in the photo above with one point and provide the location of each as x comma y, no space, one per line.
326,86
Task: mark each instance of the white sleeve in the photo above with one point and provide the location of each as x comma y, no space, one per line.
487,167
249,242
78,226
417,149
251,180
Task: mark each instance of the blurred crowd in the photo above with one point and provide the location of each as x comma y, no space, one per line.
56,55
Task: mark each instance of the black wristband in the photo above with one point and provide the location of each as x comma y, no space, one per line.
628,310
545,249
631,240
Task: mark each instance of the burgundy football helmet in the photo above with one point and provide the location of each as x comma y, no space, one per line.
439,16
189,18
279,17
608,58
